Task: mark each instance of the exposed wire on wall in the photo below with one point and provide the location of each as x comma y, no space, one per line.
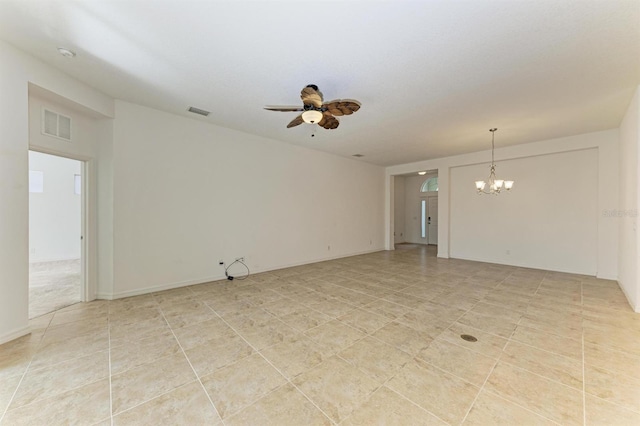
239,260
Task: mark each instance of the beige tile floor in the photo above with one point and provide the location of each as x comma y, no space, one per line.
53,286
366,340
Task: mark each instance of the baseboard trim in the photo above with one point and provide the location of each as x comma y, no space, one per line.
157,288
171,286
14,334
521,265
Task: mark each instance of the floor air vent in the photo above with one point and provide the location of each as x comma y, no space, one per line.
56,125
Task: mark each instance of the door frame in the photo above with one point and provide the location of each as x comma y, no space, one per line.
428,197
88,228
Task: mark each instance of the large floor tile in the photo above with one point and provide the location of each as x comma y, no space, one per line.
238,385
140,384
303,318
620,388
185,405
365,321
87,404
214,354
377,359
490,409
547,398
600,412
128,356
567,347
295,355
486,343
550,365
386,407
464,363
334,336
7,389
446,396
263,333
496,326
406,338
214,330
336,387
612,359
285,406
43,383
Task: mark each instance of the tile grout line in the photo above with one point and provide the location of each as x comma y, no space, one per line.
110,371
491,371
189,361
6,410
521,406
270,363
584,384
480,391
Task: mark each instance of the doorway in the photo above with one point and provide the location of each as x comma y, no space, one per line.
429,211
56,219
429,220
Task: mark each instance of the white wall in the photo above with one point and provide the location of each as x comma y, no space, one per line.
627,214
16,72
187,193
91,141
548,221
54,213
398,209
605,193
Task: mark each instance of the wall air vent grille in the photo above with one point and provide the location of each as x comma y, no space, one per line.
56,125
199,111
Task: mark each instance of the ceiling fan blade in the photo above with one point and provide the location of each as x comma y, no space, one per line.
295,122
328,121
342,107
284,108
311,96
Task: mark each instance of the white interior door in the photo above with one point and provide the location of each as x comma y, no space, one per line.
423,221
432,220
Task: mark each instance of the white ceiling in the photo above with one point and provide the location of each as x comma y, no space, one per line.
432,76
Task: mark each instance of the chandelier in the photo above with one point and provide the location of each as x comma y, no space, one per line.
493,185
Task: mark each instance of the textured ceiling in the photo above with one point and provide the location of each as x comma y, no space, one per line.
432,76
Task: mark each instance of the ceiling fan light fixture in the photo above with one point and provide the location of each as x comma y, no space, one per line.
312,116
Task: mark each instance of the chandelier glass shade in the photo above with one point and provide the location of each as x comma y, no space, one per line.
493,185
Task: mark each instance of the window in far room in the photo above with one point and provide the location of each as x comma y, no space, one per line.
429,185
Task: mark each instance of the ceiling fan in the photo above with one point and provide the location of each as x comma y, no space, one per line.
317,112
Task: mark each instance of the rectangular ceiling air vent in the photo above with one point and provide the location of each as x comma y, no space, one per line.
56,125
199,111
